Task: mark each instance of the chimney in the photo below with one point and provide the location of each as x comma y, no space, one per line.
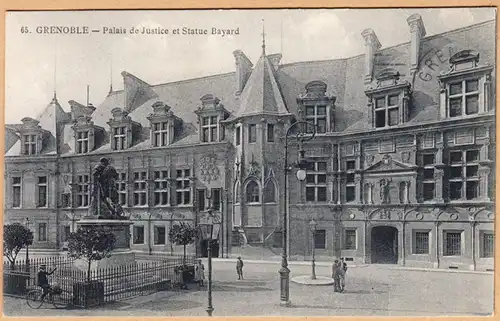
372,45
243,70
417,30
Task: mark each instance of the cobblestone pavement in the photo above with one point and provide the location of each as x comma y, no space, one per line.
370,290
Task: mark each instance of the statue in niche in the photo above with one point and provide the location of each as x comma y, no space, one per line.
385,196
104,197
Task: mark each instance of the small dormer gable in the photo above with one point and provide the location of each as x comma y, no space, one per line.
210,115
163,124
123,130
317,106
32,136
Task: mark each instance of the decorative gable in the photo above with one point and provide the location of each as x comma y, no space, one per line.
317,107
32,136
122,129
84,130
389,99
387,164
163,124
466,88
210,115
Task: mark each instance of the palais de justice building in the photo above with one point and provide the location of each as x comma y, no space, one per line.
401,169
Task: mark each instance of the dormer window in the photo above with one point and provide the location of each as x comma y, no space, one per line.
82,142
123,129
465,87
316,107
209,129
389,100
210,114
29,144
119,138
160,134
164,125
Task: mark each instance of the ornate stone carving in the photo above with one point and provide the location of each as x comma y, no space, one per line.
385,186
208,168
369,159
385,214
454,216
405,157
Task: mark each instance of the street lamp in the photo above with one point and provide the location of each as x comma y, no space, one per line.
27,260
210,231
313,225
302,135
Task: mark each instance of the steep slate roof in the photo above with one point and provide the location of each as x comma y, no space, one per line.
275,91
261,94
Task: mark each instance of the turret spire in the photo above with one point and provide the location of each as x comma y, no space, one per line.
263,38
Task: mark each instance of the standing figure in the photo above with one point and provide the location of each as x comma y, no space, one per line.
336,276
199,273
385,196
343,270
104,191
239,268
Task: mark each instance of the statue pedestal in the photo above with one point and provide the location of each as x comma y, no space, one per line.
121,255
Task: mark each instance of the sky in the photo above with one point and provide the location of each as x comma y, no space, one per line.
36,64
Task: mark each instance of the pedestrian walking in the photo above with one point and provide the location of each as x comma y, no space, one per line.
199,273
239,268
343,270
336,276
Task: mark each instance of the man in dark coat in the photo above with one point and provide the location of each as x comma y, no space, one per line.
336,275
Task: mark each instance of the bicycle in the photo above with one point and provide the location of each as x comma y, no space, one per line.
57,299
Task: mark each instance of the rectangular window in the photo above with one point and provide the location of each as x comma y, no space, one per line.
41,191
387,111
320,239
316,182
452,244
464,176
183,186
270,133
16,192
421,243
42,232
428,159
252,133
160,134
201,199
488,244
161,188
29,144
119,135
463,98
66,233
350,193
209,129
140,188
428,183
159,235
216,198
138,234
82,142
350,165
350,239
238,136
121,187
82,190
66,200
317,115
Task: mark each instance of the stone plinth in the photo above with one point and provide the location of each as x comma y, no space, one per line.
307,280
122,254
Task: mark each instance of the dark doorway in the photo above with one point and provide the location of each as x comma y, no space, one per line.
204,248
384,245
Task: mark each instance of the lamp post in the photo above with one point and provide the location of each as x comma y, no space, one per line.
212,231
301,135
312,225
27,260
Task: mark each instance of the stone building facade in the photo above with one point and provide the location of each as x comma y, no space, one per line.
401,169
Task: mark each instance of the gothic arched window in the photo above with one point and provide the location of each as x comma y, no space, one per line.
252,192
270,192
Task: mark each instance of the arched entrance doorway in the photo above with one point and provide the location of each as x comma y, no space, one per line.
384,248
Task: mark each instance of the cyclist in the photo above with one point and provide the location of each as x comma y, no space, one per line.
43,281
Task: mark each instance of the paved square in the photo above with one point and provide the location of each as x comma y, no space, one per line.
370,290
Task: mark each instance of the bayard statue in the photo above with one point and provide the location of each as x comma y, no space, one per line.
385,195
104,198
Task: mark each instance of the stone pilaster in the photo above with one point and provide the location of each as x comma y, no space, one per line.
438,179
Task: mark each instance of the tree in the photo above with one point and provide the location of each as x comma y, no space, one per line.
15,237
182,234
91,244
